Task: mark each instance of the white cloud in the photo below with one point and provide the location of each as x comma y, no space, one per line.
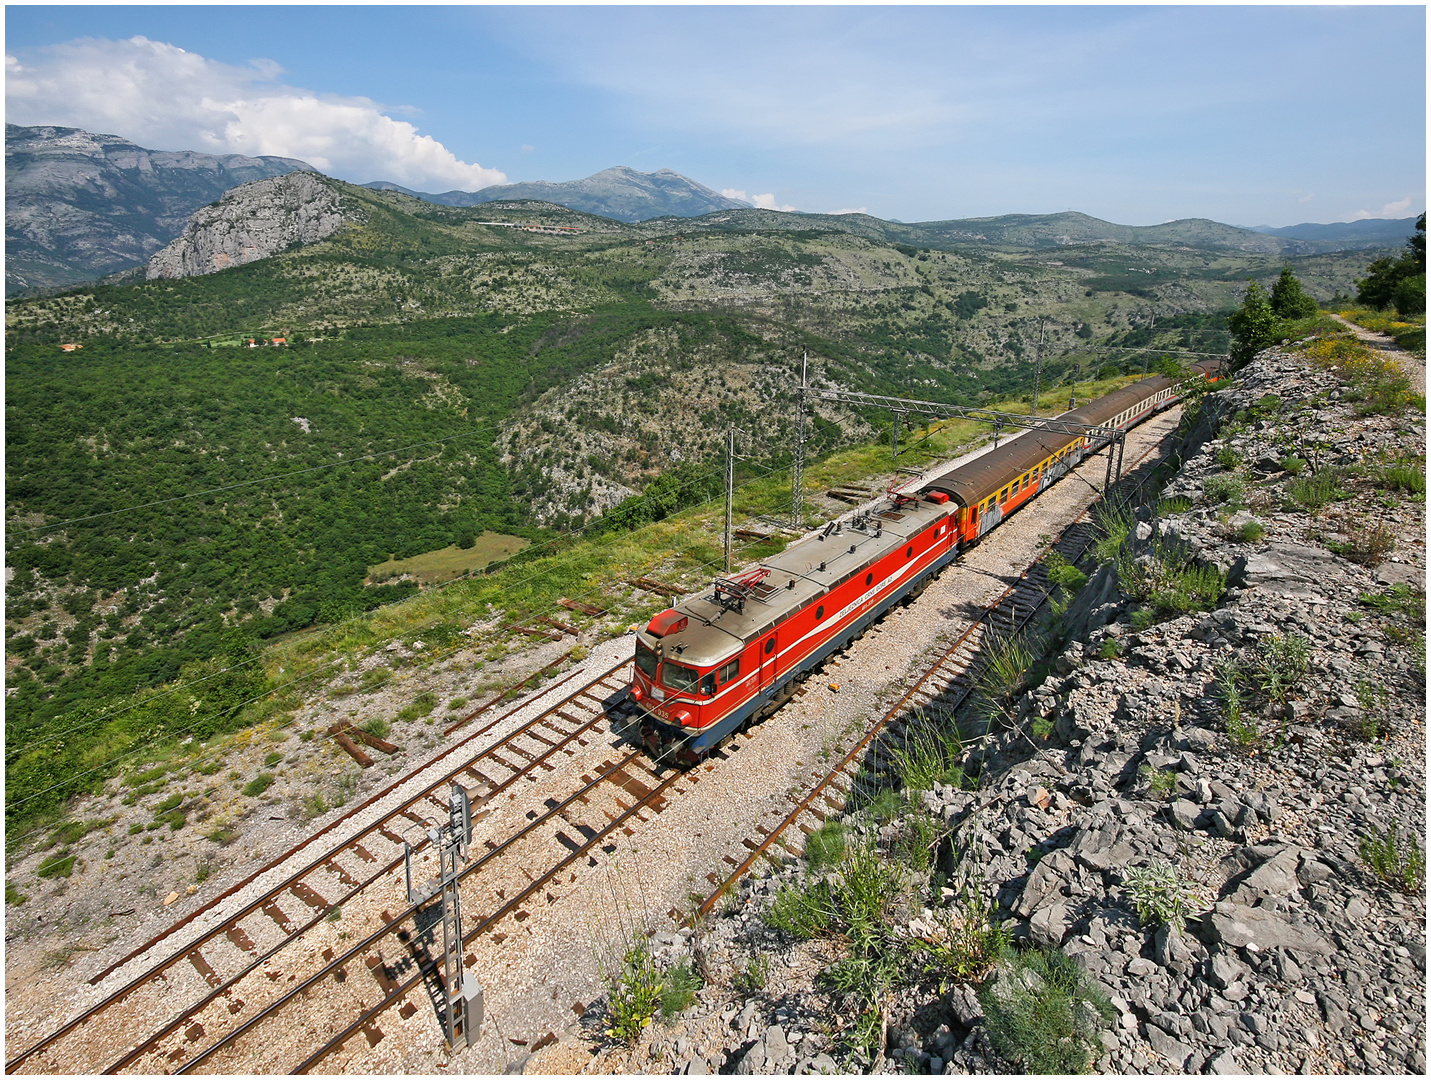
166,98
767,202
761,202
1390,210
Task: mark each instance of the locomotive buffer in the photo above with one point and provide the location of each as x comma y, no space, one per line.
462,993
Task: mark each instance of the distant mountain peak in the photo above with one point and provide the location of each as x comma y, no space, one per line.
619,192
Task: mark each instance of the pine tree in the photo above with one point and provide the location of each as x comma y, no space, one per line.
1288,299
1254,326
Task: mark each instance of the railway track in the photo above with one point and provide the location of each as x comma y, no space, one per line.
213,964
214,1002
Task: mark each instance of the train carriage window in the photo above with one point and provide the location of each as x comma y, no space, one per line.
869,578
730,671
909,552
819,612
769,645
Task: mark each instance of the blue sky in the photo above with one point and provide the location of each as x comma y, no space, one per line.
1249,115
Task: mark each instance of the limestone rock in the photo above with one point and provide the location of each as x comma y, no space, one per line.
254,221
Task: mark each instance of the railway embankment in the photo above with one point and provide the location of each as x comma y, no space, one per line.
1196,839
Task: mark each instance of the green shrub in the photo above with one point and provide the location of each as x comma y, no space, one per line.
1115,522
1372,699
14,895
1403,476
1044,1013
965,942
1161,782
1142,618
1279,666
1251,532
1173,586
1008,660
801,911
919,837
679,988
1225,488
1227,458
1368,544
1228,692
1177,504
273,758
58,865
1159,897
752,977
377,727
825,846
71,832
1063,574
1399,599
1318,491
633,991
1293,465
1111,649
1401,865
258,785
929,755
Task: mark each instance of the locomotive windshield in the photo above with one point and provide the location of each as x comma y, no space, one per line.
678,676
646,660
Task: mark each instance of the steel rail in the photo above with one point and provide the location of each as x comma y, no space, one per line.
183,951
390,927
397,995
233,980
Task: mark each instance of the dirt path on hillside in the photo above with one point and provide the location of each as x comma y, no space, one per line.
1414,367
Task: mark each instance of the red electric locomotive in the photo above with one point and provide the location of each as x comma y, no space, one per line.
730,656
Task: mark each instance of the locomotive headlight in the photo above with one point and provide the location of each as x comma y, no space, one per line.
684,717
637,694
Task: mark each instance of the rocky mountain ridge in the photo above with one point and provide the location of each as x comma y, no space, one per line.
254,221
79,205
1288,831
619,192
82,206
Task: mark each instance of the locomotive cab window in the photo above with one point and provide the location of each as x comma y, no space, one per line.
729,671
678,676
646,660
